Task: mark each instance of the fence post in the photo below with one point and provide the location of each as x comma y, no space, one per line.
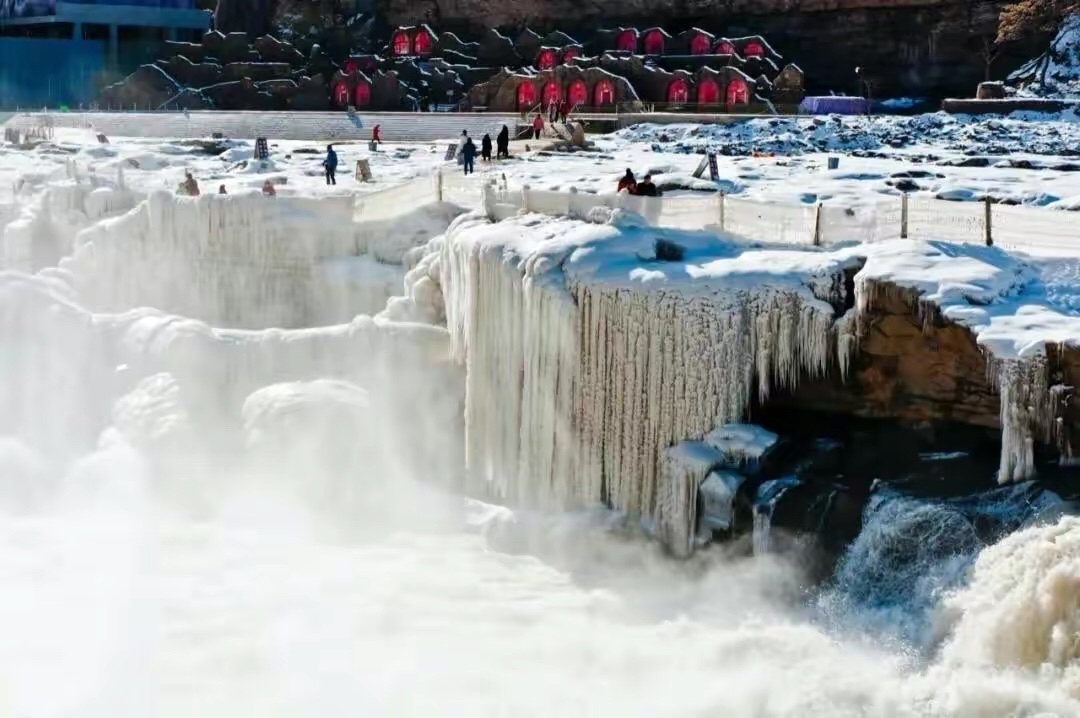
817,225
722,210
570,203
488,193
438,185
989,230
903,215
525,198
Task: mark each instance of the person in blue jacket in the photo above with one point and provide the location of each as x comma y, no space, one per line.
330,163
468,155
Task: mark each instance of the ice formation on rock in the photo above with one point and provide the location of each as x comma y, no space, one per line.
45,229
1027,414
683,468
1001,299
51,401
580,376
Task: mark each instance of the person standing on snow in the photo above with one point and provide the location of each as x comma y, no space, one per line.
468,155
375,135
461,146
330,164
485,148
538,126
502,144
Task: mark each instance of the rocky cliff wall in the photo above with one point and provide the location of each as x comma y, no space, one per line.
915,367
913,47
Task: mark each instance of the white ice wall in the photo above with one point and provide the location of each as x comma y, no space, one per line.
236,260
63,367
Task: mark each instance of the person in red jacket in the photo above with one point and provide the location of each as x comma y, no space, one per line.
627,182
538,126
375,134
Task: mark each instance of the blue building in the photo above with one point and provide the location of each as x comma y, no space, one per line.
58,52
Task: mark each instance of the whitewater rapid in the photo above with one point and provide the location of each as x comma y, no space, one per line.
116,604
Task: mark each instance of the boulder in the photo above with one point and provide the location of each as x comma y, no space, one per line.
990,91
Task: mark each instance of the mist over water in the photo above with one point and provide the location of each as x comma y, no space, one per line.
193,525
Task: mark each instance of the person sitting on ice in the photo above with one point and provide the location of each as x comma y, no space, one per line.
330,164
268,189
627,182
646,188
189,186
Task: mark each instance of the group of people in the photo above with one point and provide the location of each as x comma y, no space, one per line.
467,148
629,184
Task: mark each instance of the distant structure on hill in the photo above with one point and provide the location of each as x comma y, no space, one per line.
415,68
620,67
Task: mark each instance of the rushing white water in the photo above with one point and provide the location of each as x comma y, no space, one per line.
197,521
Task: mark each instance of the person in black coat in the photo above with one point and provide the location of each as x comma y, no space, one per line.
502,142
468,155
485,148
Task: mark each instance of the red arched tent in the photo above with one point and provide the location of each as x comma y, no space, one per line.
753,49
653,42
604,93
545,59
421,44
400,43
677,91
708,92
550,93
724,48
699,44
569,54
362,94
626,41
577,93
526,95
737,92
341,93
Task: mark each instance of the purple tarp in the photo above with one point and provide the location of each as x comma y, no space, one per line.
830,105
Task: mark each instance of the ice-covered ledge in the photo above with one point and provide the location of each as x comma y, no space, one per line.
591,347
588,355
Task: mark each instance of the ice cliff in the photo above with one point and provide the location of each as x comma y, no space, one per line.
589,352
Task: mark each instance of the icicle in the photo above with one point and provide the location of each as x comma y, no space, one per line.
1027,414
761,538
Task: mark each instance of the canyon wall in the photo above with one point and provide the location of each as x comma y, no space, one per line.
928,48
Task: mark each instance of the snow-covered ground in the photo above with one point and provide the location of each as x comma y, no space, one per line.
949,157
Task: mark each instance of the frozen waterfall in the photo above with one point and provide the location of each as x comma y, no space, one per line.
587,356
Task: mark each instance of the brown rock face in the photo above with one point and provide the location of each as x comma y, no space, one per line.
909,369
915,367
923,47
